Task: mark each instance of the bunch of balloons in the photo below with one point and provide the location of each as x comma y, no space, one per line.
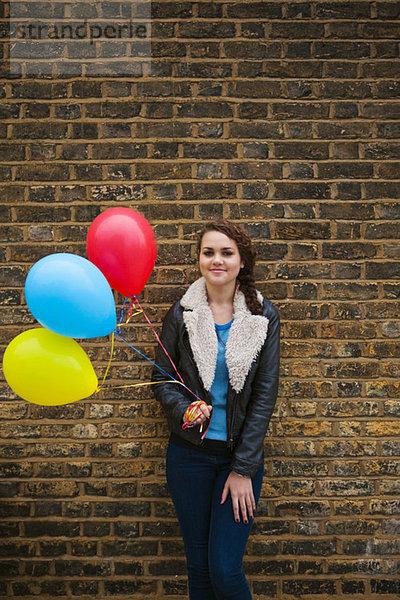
71,297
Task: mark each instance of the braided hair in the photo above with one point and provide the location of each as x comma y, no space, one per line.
245,277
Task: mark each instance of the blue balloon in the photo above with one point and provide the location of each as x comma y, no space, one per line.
69,295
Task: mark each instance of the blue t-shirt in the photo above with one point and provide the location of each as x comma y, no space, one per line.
219,388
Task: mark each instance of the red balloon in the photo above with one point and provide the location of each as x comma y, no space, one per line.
121,243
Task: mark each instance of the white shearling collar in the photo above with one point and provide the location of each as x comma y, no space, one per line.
246,335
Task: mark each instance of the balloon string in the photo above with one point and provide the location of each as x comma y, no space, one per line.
116,333
118,387
130,314
99,387
194,416
158,338
134,385
158,367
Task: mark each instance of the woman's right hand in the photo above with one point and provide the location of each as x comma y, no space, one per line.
196,413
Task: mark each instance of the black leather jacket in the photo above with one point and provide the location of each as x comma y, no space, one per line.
248,411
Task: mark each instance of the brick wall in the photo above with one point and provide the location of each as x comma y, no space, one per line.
284,117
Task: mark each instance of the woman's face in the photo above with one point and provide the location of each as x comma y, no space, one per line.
219,259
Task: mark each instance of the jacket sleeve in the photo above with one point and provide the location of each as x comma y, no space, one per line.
172,396
249,452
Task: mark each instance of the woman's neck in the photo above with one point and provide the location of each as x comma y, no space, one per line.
221,295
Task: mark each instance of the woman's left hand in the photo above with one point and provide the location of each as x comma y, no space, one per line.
241,490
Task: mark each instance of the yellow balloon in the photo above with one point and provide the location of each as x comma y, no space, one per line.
45,368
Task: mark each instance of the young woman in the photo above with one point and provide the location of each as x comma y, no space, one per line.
223,338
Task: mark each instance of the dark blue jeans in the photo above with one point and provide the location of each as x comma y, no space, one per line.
214,543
